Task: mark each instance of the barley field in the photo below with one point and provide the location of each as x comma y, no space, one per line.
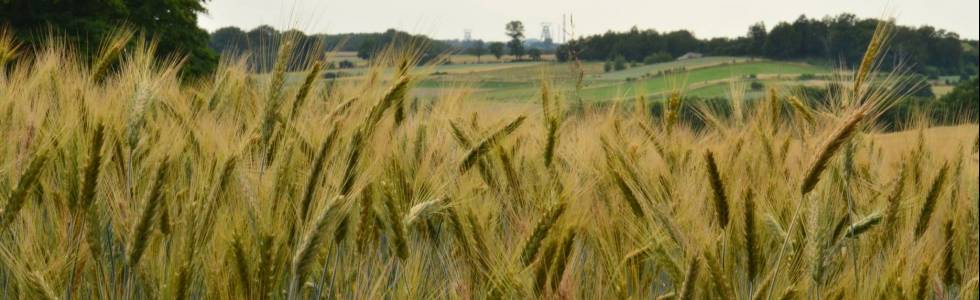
118,180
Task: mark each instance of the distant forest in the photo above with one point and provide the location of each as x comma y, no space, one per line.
832,40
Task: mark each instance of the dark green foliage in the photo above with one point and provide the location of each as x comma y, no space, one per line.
963,99
843,37
534,53
497,49
173,23
659,57
515,30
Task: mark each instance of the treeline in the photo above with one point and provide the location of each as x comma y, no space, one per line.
839,39
262,44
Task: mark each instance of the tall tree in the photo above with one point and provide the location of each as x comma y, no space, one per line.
478,48
173,23
229,40
515,30
497,49
757,39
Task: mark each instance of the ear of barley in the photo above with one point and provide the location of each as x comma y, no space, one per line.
540,232
183,282
93,233
141,234
303,259
863,225
366,218
751,240
802,109
17,197
304,90
875,48
397,229
775,108
561,258
460,135
315,173
672,111
894,203
484,146
690,280
240,260
950,273
929,205
165,226
718,189
110,50
91,173
342,229
353,158
8,47
922,282
422,211
395,97
722,283
543,266
551,141
840,135
274,95
619,179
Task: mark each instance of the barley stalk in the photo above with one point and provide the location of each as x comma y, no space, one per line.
929,205
303,259
751,239
486,144
317,169
540,232
840,135
690,281
304,90
17,197
718,188
141,234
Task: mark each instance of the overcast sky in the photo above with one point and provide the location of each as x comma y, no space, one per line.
447,19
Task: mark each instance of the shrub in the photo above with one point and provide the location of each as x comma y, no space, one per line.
658,57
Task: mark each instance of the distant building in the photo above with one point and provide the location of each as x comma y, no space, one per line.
690,55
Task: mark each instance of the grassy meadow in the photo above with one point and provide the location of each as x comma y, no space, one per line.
118,180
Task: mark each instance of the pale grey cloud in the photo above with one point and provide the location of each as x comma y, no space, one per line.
486,19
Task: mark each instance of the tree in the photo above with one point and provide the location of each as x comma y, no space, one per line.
516,48
228,40
619,63
782,42
535,54
263,45
497,49
478,49
367,49
515,30
657,58
757,39
963,100
173,23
